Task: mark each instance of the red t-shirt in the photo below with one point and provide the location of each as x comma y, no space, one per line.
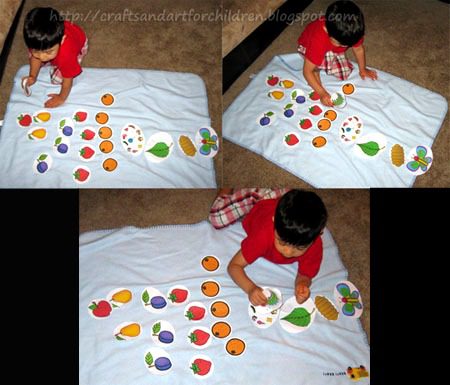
67,58
316,43
259,226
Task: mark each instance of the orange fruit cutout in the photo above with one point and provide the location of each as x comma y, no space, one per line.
210,288
106,146
319,141
109,164
324,124
210,263
107,99
220,309
348,88
221,329
101,117
235,346
330,114
105,132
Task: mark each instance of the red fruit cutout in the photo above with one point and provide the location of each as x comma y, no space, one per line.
101,309
24,120
80,116
315,110
195,313
87,152
178,295
313,95
291,139
87,134
199,337
272,80
201,367
81,174
305,124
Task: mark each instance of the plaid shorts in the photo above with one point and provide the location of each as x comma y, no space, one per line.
230,208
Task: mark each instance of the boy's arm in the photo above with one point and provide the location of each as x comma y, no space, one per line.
35,66
58,99
360,55
313,78
237,273
302,284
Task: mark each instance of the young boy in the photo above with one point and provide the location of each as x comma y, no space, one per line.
284,230
52,40
323,44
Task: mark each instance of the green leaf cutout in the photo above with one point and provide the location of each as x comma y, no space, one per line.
119,338
93,306
270,113
149,359
339,100
288,106
273,299
58,140
156,328
294,94
62,123
114,305
370,148
42,157
161,150
145,296
298,317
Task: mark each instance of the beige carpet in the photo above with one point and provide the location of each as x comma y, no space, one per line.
407,38
157,42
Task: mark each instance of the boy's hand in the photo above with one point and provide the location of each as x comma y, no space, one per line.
365,72
30,80
325,99
302,293
257,297
54,101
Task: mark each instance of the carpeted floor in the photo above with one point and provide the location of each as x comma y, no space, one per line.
349,220
157,42
407,38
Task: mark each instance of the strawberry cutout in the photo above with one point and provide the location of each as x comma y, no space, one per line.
315,110
291,140
80,116
305,124
313,95
201,366
200,337
195,311
24,120
177,295
87,134
81,174
86,153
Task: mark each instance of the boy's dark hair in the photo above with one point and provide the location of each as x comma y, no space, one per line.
344,22
300,216
43,28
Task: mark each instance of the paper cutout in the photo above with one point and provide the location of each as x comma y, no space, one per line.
295,317
221,329
132,139
104,132
81,174
177,295
42,116
319,141
159,147
338,100
266,119
26,88
305,124
106,146
220,309
201,366
348,88
187,145
207,142
119,297
66,126
351,129
195,311
274,298
370,145
107,99
289,110
419,160
157,361
276,94
291,140
286,83
235,347
42,163
88,133
210,288
127,331
397,155
61,145
109,164
86,153
153,300
326,308
163,333
315,110
324,124
210,263
272,80
99,308
39,133
348,299
313,95
80,116
298,96
261,317
24,119
355,374
199,337
330,114
101,117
